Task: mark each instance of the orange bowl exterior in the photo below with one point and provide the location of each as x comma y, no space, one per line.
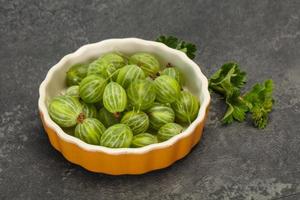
130,163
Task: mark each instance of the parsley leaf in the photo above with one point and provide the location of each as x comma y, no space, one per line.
227,79
188,48
236,110
260,102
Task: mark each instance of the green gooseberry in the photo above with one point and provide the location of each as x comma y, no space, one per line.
91,88
141,94
117,136
167,89
115,59
90,130
160,115
73,91
101,68
186,107
65,110
76,73
89,110
128,74
147,62
114,98
107,118
138,122
168,130
174,73
143,139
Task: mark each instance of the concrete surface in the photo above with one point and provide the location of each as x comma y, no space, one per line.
233,162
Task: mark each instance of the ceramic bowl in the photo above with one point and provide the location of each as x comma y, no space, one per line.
124,160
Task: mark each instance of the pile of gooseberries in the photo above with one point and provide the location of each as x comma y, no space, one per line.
120,101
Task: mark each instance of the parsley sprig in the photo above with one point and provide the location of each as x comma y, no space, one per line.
188,48
228,82
228,79
260,102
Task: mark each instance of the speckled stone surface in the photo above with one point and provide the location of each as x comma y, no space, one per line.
233,162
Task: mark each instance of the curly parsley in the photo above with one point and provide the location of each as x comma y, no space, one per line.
228,81
188,48
260,102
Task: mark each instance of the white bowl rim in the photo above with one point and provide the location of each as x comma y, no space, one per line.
116,151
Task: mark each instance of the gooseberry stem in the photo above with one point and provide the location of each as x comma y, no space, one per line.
80,118
154,76
117,115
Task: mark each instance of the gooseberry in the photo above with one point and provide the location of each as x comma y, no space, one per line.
138,122
117,136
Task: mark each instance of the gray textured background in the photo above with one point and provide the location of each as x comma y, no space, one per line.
234,162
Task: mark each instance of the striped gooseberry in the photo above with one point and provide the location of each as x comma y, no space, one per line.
160,115
91,88
114,98
143,139
65,110
147,62
73,91
128,74
174,73
90,130
168,130
137,121
186,107
117,136
167,89
141,94
89,110
76,73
